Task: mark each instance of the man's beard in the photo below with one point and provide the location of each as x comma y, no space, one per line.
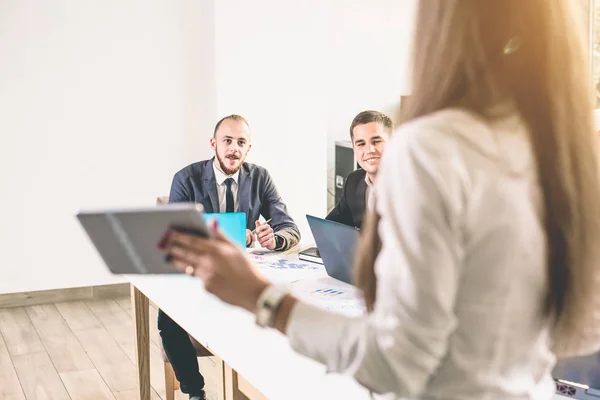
229,171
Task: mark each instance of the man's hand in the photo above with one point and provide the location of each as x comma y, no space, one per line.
265,236
250,238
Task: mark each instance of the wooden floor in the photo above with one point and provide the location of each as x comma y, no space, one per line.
80,350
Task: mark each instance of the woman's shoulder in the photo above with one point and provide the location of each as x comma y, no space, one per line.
444,125
455,131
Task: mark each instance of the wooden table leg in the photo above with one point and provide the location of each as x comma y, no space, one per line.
141,317
230,383
248,390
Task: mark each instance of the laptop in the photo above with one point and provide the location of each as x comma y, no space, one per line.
233,225
578,377
336,244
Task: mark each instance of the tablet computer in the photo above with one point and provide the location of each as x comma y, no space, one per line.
127,238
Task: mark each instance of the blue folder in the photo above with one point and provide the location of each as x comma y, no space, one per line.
233,225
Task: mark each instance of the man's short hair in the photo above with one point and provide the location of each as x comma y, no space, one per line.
233,117
366,117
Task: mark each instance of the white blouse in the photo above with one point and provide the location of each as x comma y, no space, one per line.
461,277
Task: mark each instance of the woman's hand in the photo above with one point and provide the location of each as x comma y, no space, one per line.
225,269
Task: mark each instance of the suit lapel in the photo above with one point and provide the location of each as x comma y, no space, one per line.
210,184
245,184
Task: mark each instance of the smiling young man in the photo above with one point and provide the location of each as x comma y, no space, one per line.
369,132
225,183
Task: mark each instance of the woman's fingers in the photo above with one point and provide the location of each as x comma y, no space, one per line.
198,242
189,255
187,240
187,246
218,233
182,266
202,268
224,268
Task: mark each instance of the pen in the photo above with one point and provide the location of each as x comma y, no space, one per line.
266,222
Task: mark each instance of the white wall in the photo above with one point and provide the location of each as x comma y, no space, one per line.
94,100
102,102
200,77
300,71
269,61
369,47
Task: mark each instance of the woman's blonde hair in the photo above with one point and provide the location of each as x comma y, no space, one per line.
475,53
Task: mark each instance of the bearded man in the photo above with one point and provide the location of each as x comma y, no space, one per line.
226,183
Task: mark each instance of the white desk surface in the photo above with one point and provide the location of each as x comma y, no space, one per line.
261,356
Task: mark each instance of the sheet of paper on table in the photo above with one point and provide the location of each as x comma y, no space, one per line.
331,294
280,269
310,282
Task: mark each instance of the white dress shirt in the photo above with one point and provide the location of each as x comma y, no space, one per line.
369,193
461,276
222,188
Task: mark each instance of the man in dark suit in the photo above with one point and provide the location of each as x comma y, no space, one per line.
369,132
226,184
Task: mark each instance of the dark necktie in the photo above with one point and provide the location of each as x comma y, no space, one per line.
229,196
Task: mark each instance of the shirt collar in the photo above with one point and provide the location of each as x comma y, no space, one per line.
220,176
368,180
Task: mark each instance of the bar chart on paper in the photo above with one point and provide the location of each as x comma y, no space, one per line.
310,282
328,292
331,295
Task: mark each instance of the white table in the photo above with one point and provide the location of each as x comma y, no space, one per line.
259,362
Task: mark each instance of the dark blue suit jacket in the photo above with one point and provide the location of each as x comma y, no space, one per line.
351,207
257,196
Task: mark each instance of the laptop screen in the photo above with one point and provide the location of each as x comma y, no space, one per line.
337,244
